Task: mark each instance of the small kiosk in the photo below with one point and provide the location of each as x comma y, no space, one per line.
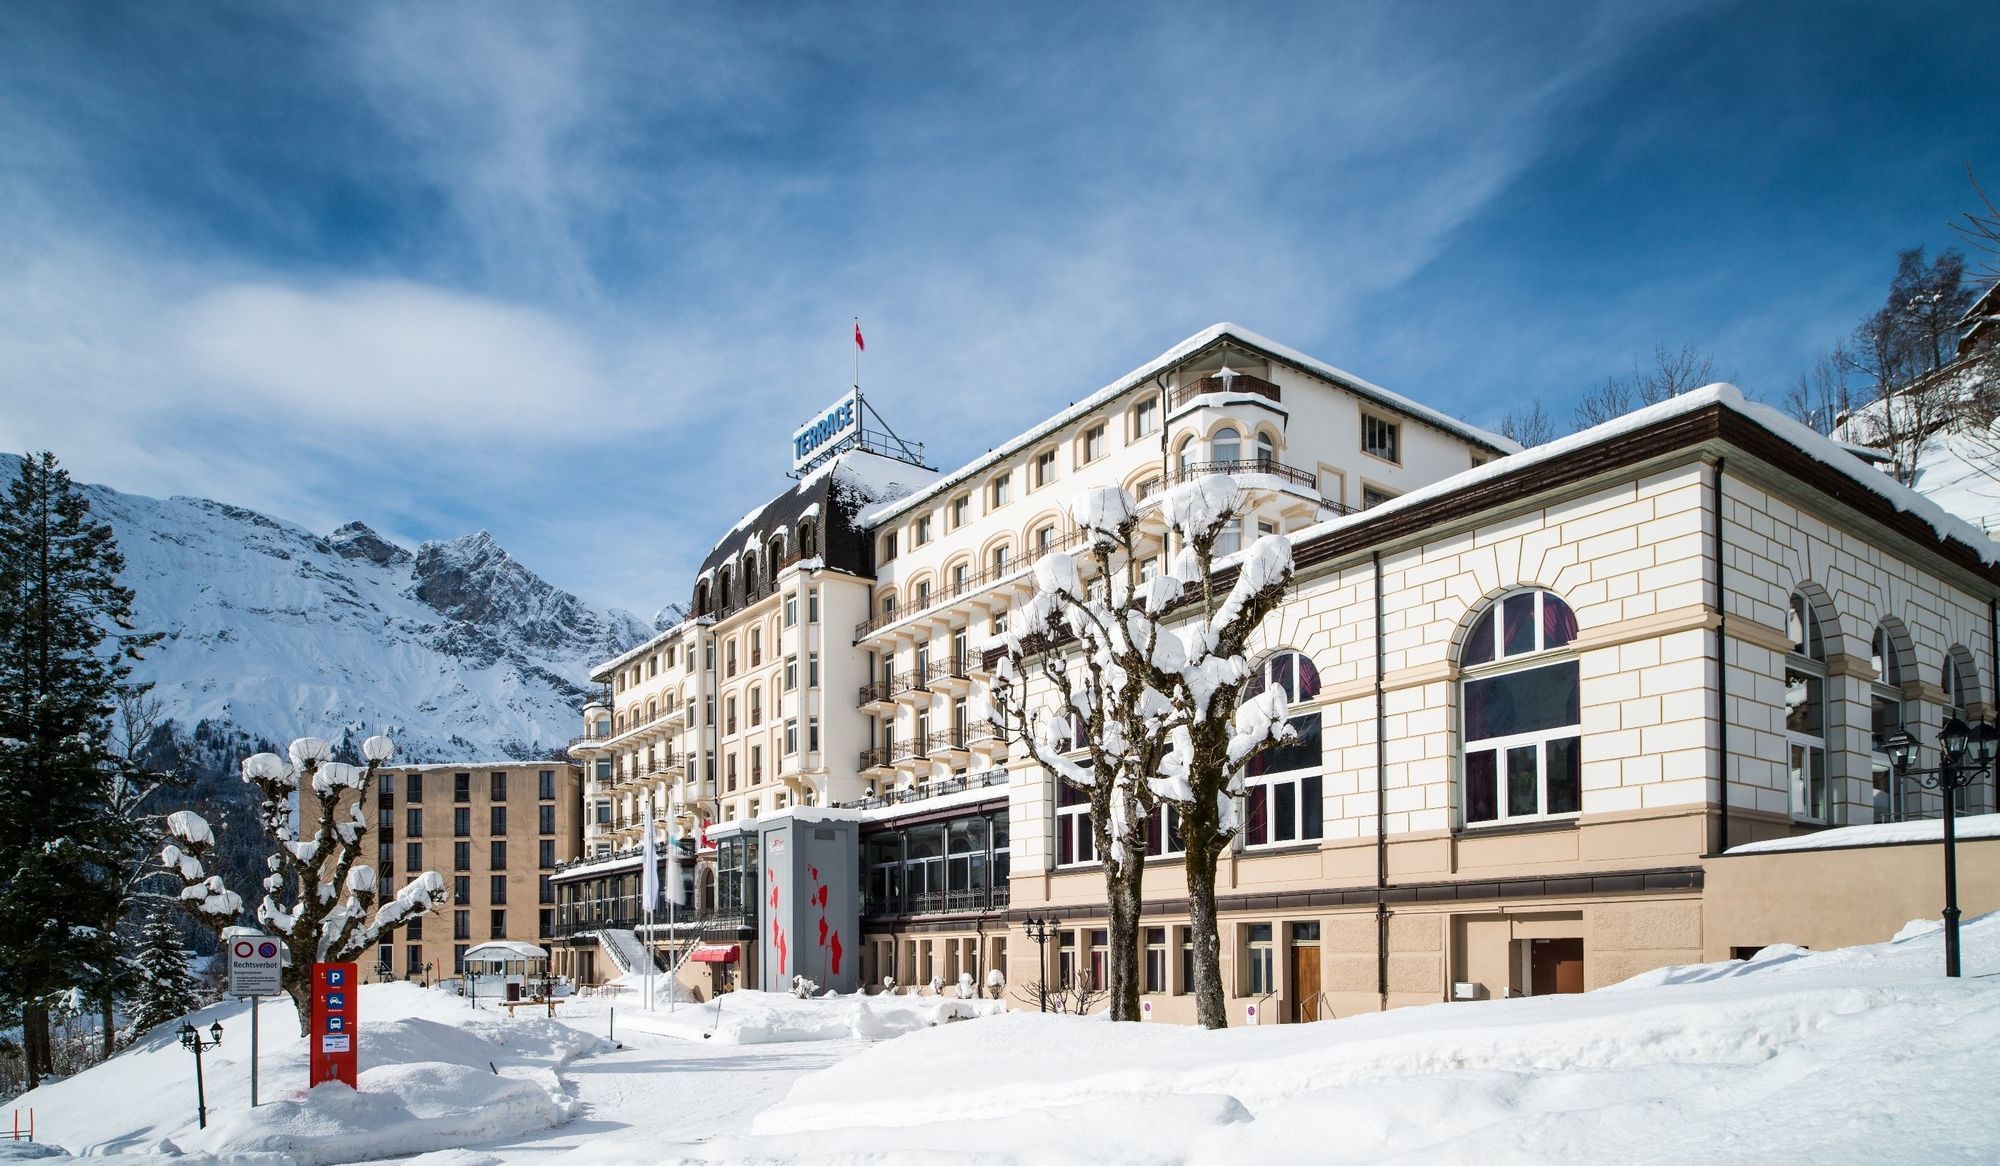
506,970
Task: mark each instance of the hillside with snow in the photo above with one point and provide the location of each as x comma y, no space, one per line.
270,632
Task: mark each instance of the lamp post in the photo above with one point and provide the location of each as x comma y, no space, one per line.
191,1040
1040,930
1955,772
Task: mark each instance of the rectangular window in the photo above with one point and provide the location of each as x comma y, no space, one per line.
1145,417
413,856
812,735
548,923
461,787
756,646
791,673
458,953
413,823
413,787
498,856
923,534
1075,843
1258,962
729,765
812,605
1066,959
496,889
729,658
415,927
1156,960
498,925
1380,437
791,737
461,928
497,820
1186,985
959,508
545,785
547,889
499,783
756,764
889,546
461,890
1093,443
812,670
1045,468
791,610
545,819
1100,958
461,856
545,856
1003,489
413,959
461,822
1373,496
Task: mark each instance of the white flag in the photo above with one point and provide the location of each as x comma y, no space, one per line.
649,872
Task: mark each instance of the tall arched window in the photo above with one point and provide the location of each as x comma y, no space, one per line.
1522,708
1225,446
1886,718
1282,784
808,543
1805,713
1181,452
1267,452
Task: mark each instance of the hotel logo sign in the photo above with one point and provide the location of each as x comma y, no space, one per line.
834,425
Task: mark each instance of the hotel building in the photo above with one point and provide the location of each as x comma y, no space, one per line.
1536,695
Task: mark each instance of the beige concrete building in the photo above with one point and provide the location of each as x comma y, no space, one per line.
1536,694
496,832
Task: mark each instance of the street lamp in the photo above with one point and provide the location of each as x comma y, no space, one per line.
1955,771
1040,930
191,1040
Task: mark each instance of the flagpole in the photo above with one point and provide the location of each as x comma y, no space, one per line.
857,354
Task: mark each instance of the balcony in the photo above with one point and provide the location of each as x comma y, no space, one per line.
943,743
944,672
906,750
906,683
956,783
984,731
1266,467
979,581
970,900
873,692
877,758
1209,386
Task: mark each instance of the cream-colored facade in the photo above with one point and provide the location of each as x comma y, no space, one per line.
1535,698
495,831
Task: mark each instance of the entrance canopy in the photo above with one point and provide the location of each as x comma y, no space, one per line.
715,953
506,954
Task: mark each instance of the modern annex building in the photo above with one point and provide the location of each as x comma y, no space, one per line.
1537,694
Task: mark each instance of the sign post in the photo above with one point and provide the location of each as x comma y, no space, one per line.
334,1050
256,970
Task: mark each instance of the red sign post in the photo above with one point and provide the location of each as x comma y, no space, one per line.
335,1041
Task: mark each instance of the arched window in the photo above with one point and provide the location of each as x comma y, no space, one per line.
1885,653
775,556
701,599
1267,453
808,543
1282,784
1520,698
1805,712
1045,538
923,597
961,576
722,589
1225,446
1181,454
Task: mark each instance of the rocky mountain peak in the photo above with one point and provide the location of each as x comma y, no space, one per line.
357,541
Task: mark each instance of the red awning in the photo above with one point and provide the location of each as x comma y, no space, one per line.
714,953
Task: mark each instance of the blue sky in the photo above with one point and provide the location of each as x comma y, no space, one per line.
572,273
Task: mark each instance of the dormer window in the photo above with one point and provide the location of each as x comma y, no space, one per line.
1381,438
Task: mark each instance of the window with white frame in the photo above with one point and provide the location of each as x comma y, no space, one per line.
1381,438
960,507
1145,417
1093,443
1805,713
1003,489
1282,784
923,529
1226,445
1522,713
998,558
1885,720
1045,468
1075,844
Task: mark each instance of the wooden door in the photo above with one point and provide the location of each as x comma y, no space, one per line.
1305,982
1555,966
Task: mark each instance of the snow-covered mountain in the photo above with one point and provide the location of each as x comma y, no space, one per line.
456,650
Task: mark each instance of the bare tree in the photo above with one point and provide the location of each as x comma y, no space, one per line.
1530,425
332,914
1164,668
1822,398
1075,998
1673,372
1981,229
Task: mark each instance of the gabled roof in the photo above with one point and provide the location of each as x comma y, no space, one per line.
1190,349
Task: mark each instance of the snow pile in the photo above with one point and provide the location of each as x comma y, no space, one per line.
434,1075
1859,1054
756,1018
1877,834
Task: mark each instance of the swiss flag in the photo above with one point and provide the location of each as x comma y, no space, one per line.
857,337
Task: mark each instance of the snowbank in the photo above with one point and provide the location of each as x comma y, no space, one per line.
434,1075
1858,1054
1876,834
756,1018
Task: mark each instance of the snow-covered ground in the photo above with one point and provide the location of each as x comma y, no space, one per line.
1857,1055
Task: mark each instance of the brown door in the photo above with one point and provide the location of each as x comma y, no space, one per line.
1305,982
1555,966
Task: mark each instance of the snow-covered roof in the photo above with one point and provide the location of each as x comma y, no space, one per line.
1876,834
1170,357
435,766
1808,442
504,951
608,666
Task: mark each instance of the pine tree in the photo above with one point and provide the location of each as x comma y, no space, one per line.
166,987
65,636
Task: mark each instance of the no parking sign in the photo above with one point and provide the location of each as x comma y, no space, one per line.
255,966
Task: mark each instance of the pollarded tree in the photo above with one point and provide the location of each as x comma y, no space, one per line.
320,901
1157,711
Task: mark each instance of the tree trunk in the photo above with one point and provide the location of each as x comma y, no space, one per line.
1209,1009
1121,887
36,1051
299,988
107,1007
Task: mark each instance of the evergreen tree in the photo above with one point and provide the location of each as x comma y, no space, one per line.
165,987
65,636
